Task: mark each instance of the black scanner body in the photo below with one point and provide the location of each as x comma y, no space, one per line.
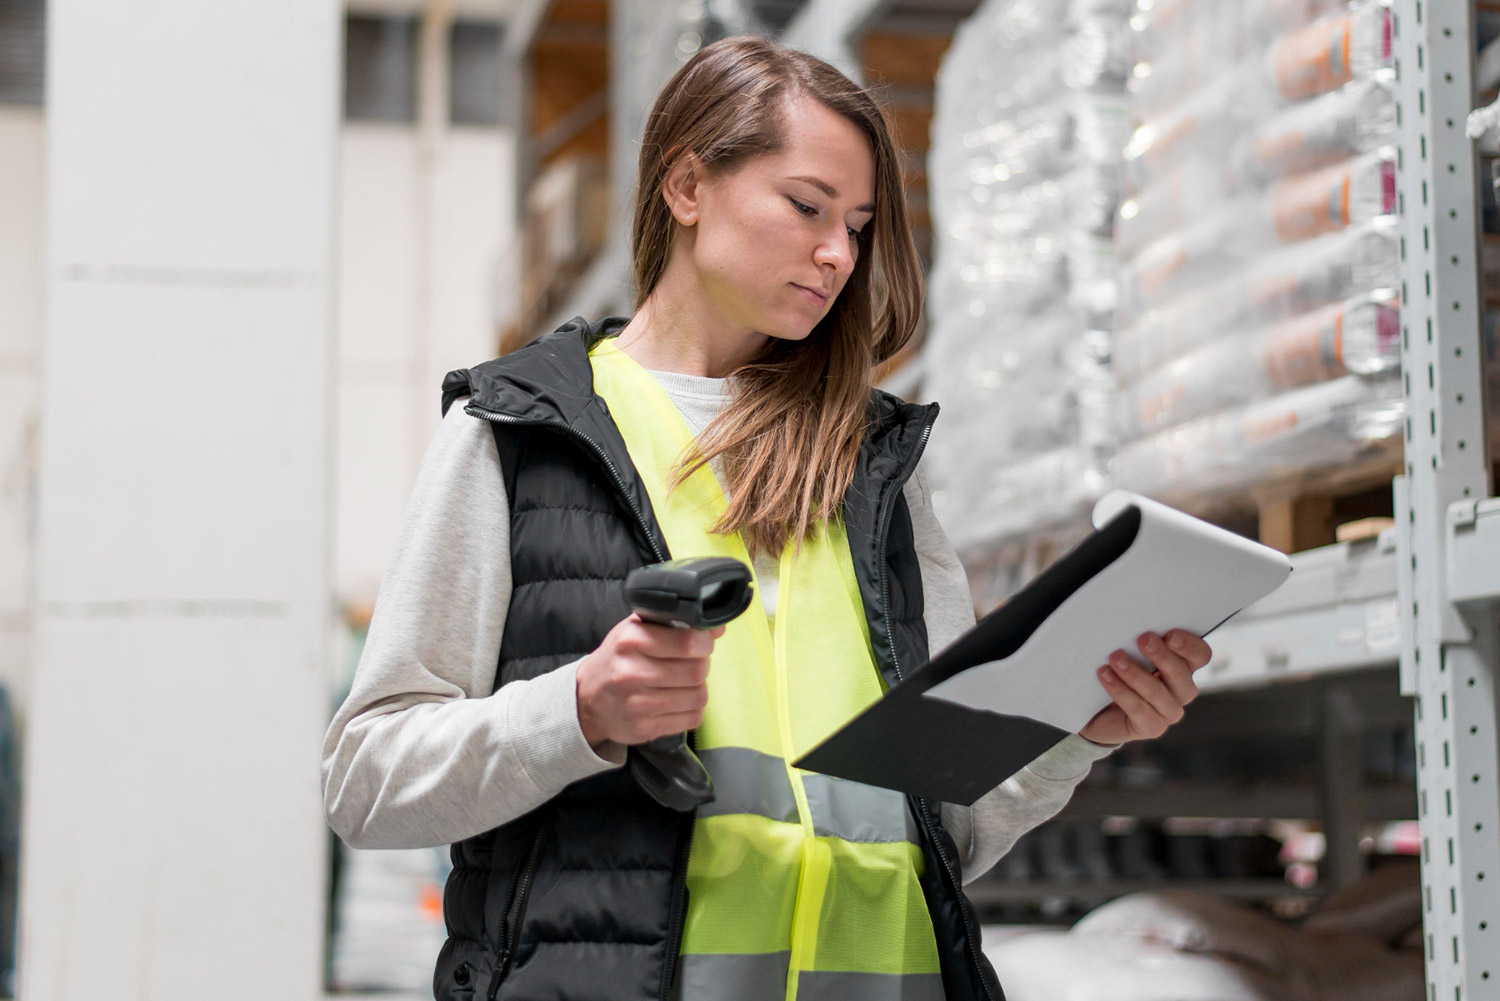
700,593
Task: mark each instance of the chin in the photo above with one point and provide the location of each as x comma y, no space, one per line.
794,322
795,328
800,333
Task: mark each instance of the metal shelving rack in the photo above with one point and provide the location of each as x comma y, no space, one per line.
1424,595
1445,591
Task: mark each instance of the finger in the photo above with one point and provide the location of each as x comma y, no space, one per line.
670,641
1148,686
658,702
1194,649
1175,672
685,700
675,672
1142,719
666,726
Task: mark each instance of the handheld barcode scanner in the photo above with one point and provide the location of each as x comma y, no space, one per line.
690,594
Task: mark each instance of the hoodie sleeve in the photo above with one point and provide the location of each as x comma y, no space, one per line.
987,830
423,751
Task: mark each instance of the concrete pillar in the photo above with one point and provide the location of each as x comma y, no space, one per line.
173,844
21,193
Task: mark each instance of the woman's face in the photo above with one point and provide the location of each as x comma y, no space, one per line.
776,239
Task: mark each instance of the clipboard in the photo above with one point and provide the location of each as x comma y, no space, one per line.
1023,677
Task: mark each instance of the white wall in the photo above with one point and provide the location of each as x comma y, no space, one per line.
172,842
420,240
22,157
426,231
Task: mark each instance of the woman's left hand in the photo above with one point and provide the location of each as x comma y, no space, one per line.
1146,703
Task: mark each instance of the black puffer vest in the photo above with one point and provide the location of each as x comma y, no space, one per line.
583,898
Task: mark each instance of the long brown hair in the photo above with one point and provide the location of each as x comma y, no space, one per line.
791,432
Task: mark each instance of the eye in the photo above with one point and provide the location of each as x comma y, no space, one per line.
854,234
804,209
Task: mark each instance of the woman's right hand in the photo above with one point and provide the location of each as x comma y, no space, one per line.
645,681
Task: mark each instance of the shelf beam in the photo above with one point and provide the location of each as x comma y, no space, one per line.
1474,552
1336,613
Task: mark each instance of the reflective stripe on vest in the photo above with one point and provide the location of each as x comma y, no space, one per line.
794,878
730,978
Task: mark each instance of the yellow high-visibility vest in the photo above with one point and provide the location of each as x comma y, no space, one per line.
800,885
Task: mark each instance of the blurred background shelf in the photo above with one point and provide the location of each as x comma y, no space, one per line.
1183,798
987,895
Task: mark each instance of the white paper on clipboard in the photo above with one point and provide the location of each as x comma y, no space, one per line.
1178,573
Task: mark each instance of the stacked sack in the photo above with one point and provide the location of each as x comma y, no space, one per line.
1258,332
1024,181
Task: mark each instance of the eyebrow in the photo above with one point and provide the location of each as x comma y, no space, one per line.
829,190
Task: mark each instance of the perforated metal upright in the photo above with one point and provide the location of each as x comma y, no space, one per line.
1448,656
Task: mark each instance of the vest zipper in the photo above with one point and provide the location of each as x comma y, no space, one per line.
515,912
595,447
969,937
678,910
923,813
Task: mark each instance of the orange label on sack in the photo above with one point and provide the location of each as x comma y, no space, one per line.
1269,427
1273,149
1272,289
1151,408
1314,60
1159,150
1295,352
1152,278
1312,204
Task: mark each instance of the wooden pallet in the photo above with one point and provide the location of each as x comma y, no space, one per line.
1312,509
1342,503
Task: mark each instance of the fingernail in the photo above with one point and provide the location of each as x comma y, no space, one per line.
1150,642
1105,675
1178,641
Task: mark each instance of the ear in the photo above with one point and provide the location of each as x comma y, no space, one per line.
682,188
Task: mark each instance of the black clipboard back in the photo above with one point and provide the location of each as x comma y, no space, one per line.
945,751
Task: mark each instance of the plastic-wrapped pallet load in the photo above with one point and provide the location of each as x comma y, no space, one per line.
1359,336
1024,185
1258,333
1190,947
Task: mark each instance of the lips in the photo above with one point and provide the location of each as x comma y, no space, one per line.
816,296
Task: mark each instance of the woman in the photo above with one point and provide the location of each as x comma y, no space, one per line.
732,414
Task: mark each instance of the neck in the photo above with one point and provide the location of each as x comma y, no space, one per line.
678,330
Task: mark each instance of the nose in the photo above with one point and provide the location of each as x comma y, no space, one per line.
835,251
